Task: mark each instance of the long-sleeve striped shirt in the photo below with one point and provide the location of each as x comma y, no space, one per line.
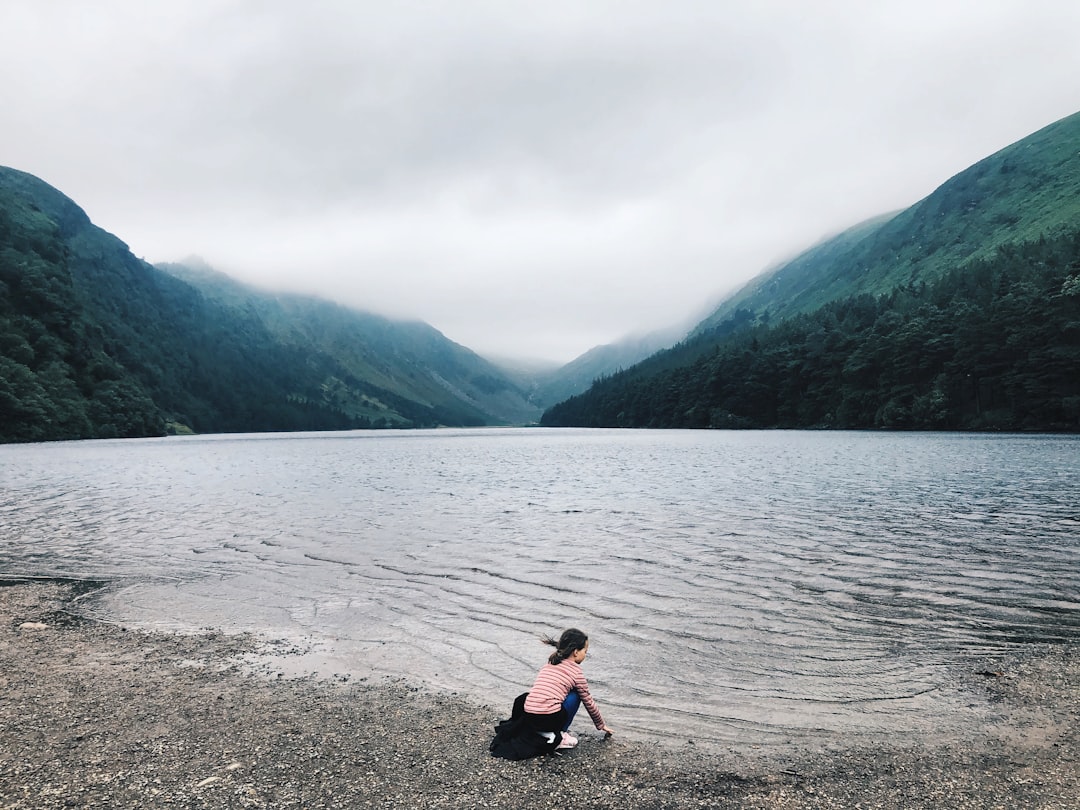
553,683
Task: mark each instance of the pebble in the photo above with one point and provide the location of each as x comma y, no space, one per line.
96,716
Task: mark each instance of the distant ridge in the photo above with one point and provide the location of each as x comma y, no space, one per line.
577,375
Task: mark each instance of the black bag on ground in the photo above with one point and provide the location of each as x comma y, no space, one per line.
516,738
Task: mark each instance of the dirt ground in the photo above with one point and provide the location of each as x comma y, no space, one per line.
96,715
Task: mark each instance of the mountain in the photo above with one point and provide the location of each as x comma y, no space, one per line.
600,361
97,343
409,358
1026,191
960,312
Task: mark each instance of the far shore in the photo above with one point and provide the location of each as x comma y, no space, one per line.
97,715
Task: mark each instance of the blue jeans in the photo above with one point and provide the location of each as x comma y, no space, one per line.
570,706
555,721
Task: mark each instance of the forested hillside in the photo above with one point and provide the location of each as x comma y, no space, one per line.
962,312
97,343
991,346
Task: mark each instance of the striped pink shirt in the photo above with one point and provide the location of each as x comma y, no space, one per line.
554,683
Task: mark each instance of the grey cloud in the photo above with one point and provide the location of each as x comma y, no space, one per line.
526,177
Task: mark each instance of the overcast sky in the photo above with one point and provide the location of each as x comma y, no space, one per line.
531,178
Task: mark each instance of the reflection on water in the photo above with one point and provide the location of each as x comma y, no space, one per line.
737,586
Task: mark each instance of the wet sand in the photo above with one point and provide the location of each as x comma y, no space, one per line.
96,715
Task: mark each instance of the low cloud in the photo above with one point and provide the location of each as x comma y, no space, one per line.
530,179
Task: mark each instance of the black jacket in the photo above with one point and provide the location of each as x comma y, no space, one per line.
518,738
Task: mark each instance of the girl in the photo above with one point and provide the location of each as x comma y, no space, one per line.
560,688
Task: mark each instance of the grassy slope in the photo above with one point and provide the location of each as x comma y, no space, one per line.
1025,190
409,358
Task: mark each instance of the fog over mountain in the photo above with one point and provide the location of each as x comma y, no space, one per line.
531,179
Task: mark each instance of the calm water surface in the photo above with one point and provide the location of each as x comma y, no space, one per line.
738,586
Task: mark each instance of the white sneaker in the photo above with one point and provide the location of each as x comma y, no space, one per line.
568,741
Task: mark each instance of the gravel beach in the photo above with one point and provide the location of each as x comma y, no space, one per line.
96,715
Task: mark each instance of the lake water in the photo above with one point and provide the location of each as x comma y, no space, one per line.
738,587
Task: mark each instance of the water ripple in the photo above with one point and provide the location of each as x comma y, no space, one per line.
737,586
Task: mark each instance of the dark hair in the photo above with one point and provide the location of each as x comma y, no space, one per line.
569,643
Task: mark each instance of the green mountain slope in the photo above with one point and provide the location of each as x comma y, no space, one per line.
97,343
409,358
1021,193
962,312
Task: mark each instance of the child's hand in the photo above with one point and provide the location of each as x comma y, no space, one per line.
607,731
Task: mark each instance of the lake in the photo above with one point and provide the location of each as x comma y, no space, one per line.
738,587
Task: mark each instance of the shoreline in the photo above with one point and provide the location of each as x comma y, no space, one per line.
96,715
